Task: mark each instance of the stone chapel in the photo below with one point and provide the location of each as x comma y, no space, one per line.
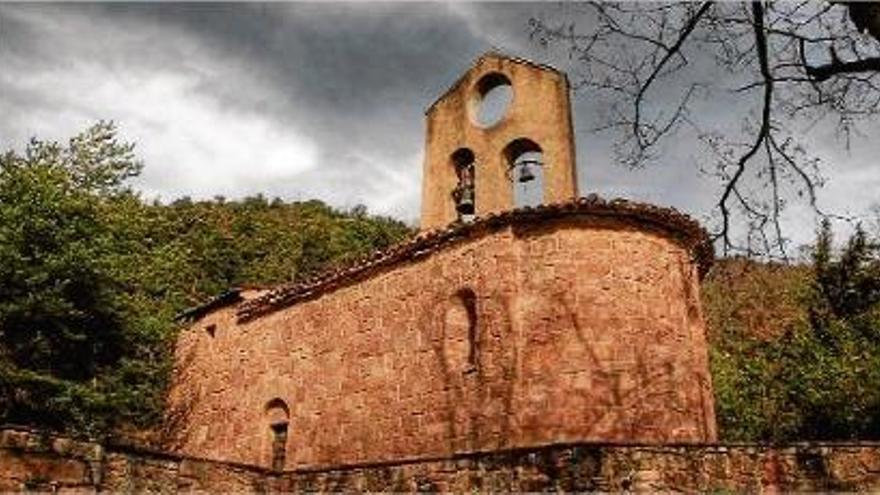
516,317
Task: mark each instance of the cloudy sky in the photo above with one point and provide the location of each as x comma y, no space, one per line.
316,100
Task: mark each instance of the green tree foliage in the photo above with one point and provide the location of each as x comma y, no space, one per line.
61,319
91,277
818,375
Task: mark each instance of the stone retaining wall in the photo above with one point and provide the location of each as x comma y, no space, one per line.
614,468
38,461
31,460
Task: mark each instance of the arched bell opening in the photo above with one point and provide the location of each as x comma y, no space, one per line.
278,418
524,159
464,193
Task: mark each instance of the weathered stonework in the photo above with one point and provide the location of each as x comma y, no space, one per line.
617,468
575,321
587,327
35,461
540,111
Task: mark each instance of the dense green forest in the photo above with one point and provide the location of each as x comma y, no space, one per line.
92,277
795,349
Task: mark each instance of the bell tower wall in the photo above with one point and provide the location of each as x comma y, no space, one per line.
539,112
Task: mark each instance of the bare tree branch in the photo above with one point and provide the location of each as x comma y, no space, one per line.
761,44
824,72
672,51
789,66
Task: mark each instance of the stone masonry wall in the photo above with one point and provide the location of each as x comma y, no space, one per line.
617,468
572,329
33,461
39,461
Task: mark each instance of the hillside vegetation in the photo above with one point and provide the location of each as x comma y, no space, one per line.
92,277
795,349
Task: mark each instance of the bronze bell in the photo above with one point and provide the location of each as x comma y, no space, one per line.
525,173
464,203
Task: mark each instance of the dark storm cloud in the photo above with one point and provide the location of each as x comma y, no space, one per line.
339,64
298,100
352,78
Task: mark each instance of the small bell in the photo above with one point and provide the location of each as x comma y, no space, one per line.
525,173
465,201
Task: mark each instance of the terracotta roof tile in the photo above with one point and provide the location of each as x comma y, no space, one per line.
680,225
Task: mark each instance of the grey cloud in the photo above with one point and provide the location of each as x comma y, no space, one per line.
347,82
353,77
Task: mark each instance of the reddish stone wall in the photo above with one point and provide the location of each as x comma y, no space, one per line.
740,468
33,461
587,329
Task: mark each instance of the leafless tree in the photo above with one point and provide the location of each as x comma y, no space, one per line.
788,62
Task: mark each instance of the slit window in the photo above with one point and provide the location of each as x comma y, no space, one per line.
461,332
279,446
469,301
278,419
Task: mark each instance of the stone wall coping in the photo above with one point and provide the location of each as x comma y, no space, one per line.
230,296
682,227
825,466
538,450
226,298
113,445
111,448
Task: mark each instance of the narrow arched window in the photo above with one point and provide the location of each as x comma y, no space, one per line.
278,419
469,301
464,194
461,332
525,169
